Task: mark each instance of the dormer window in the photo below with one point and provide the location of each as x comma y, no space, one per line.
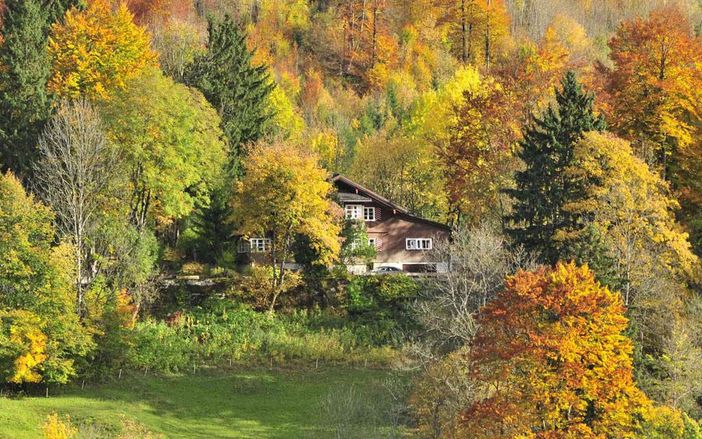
353,211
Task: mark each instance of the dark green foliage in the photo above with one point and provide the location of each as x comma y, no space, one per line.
592,249
543,188
214,229
57,8
237,89
24,102
382,305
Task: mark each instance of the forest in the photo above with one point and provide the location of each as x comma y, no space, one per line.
152,150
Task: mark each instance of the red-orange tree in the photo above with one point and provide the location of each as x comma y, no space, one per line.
551,361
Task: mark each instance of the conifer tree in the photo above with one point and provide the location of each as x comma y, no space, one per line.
238,90
24,72
543,187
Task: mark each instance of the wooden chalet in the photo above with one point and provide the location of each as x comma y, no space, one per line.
402,240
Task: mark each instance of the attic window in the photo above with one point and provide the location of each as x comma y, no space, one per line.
353,211
369,213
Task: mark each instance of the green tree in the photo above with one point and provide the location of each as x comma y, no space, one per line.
213,228
356,248
238,90
171,143
40,334
24,72
543,188
57,8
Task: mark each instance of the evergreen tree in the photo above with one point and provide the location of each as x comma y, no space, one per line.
239,91
24,102
57,8
233,85
543,187
213,227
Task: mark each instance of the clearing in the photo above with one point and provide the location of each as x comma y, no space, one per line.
215,404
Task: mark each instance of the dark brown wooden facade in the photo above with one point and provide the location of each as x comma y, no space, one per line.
402,240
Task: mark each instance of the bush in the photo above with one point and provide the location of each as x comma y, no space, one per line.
668,423
380,306
223,333
55,428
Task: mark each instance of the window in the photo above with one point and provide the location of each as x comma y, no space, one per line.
243,246
418,244
369,213
373,243
259,245
353,211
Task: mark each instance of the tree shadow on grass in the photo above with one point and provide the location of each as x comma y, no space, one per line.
244,404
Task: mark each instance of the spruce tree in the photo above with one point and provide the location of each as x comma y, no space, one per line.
24,102
238,90
543,188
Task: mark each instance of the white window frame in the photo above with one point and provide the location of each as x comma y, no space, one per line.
373,242
244,246
419,244
353,211
369,213
259,245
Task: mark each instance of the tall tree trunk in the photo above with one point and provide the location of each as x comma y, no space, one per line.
464,31
488,37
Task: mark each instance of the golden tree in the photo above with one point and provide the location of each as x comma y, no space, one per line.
96,51
285,194
551,361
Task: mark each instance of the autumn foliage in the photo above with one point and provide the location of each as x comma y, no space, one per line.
552,361
96,51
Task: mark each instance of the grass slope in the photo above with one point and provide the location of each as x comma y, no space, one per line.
248,404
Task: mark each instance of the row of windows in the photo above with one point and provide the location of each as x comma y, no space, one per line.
356,211
411,244
255,245
263,245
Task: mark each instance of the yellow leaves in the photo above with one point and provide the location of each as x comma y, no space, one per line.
23,343
55,428
327,147
286,119
285,192
632,205
96,51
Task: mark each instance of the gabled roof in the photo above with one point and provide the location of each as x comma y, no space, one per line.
362,191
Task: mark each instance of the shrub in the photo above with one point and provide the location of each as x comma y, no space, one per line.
55,428
159,347
668,423
381,306
222,333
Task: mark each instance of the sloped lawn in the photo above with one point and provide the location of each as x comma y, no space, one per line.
237,404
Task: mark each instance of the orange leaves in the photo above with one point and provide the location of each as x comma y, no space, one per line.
552,360
94,52
654,86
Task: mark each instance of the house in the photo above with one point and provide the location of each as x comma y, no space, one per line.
402,240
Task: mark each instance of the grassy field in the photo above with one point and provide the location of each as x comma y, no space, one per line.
237,404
